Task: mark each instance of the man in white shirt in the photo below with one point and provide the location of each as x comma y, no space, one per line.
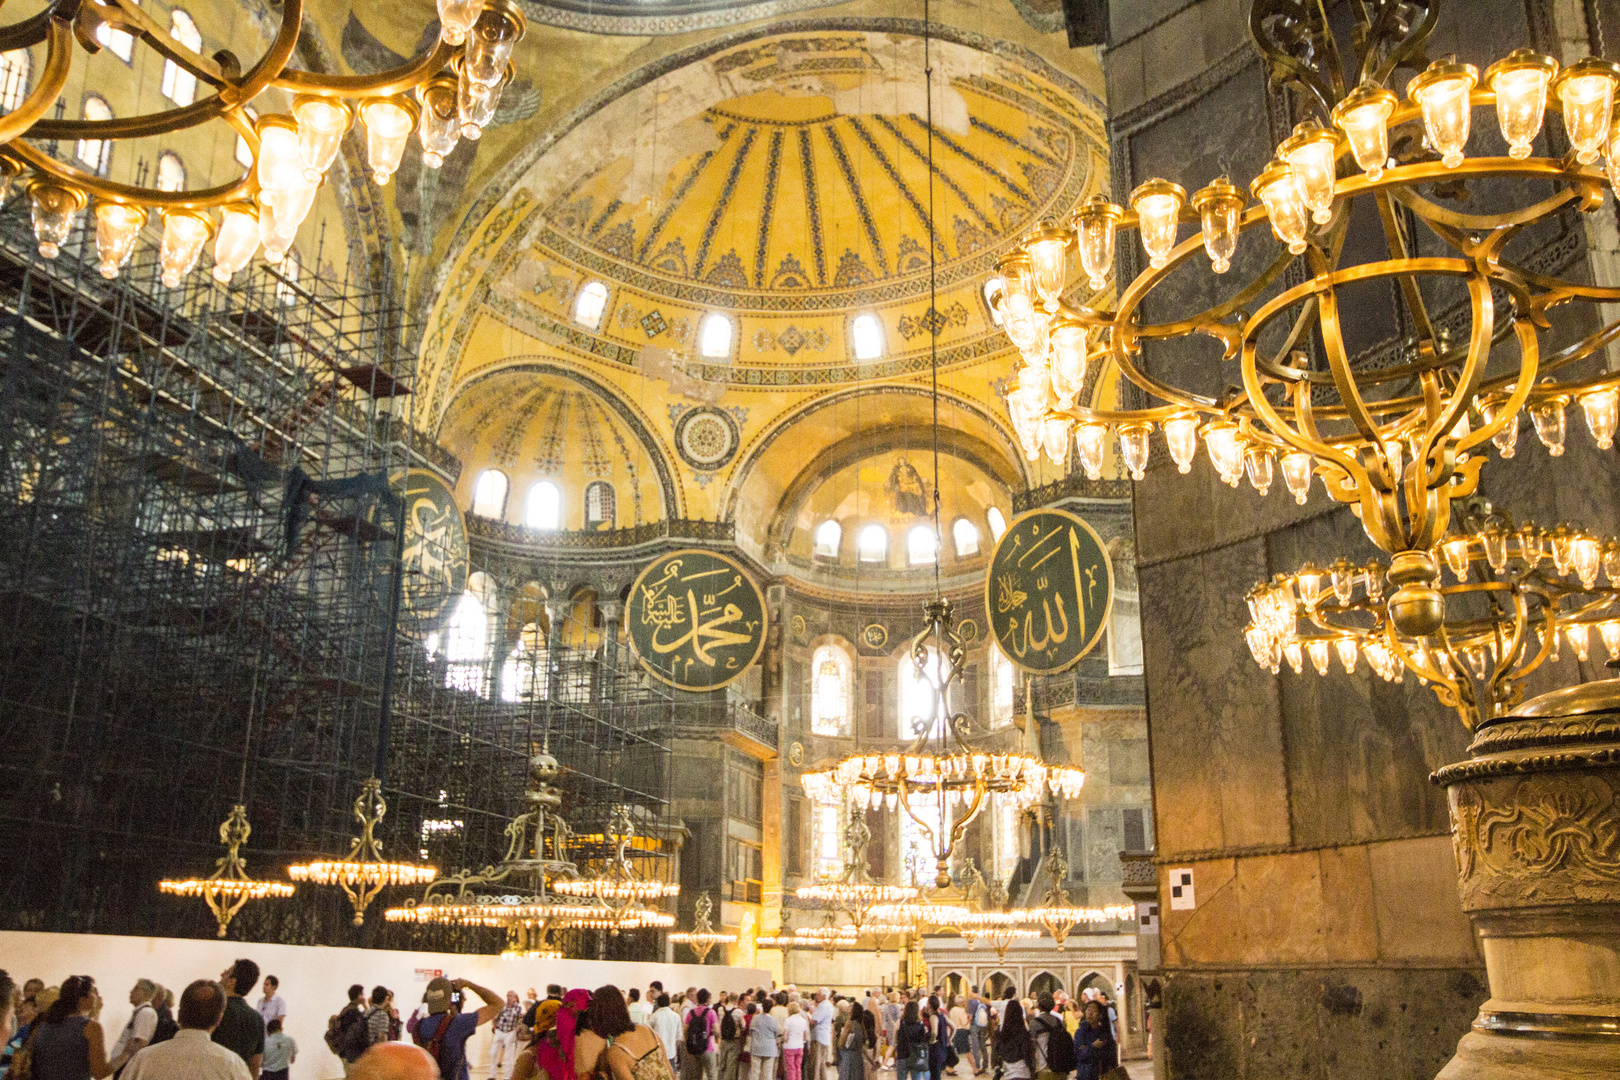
666,1024
821,1035
639,1010
142,1023
272,1006
192,1053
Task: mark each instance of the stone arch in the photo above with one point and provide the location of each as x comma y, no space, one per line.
1045,983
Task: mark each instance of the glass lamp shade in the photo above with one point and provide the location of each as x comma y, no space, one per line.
1519,80
1312,153
1585,90
1506,437
475,105
9,171
1069,355
440,126
275,240
321,125
389,123
456,19
1049,262
1094,225
117,227
1257,463
1181,434
1602,409
1219,206
1278,188
1297,467
236,241
1091,439
1034,390
54,210
1225,450
1055,438
184,234
1441,93
1134,448
280,164
1157,204
1548,416
490,42
1363,116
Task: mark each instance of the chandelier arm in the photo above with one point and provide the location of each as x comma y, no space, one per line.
137,21
1529,366
1456,407
383,84
1286,68
274,61
1563,290
32,30
58,61
1408,52
1582,187
236,191
1400,247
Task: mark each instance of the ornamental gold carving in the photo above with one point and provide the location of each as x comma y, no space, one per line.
1538,839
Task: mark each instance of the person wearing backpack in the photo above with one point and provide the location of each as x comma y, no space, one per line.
1054,1049
702,1052
444,1031
731,1035
338,1037
141,1027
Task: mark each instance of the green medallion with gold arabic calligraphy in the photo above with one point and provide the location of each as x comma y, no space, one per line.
696,620
1049,591
435,554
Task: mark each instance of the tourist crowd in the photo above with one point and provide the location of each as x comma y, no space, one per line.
214,1033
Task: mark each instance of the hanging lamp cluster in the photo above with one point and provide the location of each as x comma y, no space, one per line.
703,937
228,888
364,872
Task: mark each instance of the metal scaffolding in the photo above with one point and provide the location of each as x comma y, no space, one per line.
167,639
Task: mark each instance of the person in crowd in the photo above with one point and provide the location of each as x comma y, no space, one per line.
379,1017
856,1046
544,1033
939,1037
910,1045
271,1004
1050,1038
764,1044
961,1038
444,1031
192,1053
795,1032
142,1025
1095,1050
65,1042
279,1052
822,1015
28,1010
395,1061
346,1031
654,988
242,1028
10,998
554,1054
729,1035
639,1010
625,1050
702,1028
665,1022
503,1046
1014,1048
893,1011
163,1002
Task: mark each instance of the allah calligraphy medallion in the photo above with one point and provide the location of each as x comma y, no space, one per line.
435,555
1049,591
696,619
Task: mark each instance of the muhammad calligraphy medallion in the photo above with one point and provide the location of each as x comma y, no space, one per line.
696,620
1049,591
435,557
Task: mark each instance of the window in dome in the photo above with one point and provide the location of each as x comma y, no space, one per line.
715,341
826,841
829,691
96,153
171,172
117,42
15,67
489,494
525,674
180,85
544,509
873,545
998,524
589,305
466,642
918,840
1003,679
599,505
1007,842
867,334
922,546
966,537
829,535
919,697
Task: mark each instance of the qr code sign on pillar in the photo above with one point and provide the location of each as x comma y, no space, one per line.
1181,890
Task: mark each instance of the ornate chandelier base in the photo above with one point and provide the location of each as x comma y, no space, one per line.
1533,818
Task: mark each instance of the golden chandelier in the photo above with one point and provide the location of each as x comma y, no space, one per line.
229,887
363,872
447,94
1398,437
703,936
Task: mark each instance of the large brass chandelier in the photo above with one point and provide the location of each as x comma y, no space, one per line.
364,872
447,94
619,888
228,888
703,937
855,895
1399,436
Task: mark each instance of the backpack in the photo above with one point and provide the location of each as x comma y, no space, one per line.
1060,1055
354,1039
728,1025
165,1029
436,1043
697,1031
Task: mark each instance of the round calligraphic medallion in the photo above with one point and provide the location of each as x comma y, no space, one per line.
696,620
968,631
706,438
1049,591
435,560
874,635
799,628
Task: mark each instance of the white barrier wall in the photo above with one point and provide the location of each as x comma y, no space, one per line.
315,980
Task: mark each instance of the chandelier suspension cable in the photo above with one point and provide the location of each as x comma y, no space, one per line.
933,305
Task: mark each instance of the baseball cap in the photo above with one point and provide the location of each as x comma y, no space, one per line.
437,995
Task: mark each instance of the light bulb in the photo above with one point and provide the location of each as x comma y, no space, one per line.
1531,549
1373,581
475,105
291,206
1257,463
1297,467
1579,640
275,242
1602,409
440,127
1506,437
1055,437
54,210
184,234
1312,154
1158,208
1611,562
1034,390
1278,188
1094,225
1068,361
1585,89
1343,578
1218,207
321,124
118,226
1441,92
1317,648
489,44
1519,81
1346,648
1181,433
1609,631
1049,259
1091,439
1034,337
456,18
1225,450
1456,553
1363,116
389,122
1134,448
1586,559
1310,585
1294,655
280,164
237,239
1548,415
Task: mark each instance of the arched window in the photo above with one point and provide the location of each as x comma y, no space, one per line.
922,546
589,304
466,645
919,697
829,691
525,675
715,340
15,68
918,842
829,535
544,508
1008,848
117,42
600,505
287,278
966,537
171,172
826,841
998,524
866,333
873,545
1002,682
180,85
489,494
244,152
96,153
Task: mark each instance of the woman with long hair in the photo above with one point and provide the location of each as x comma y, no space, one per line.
855,1045
616,1047
911,1045
66,1042
1013,1044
